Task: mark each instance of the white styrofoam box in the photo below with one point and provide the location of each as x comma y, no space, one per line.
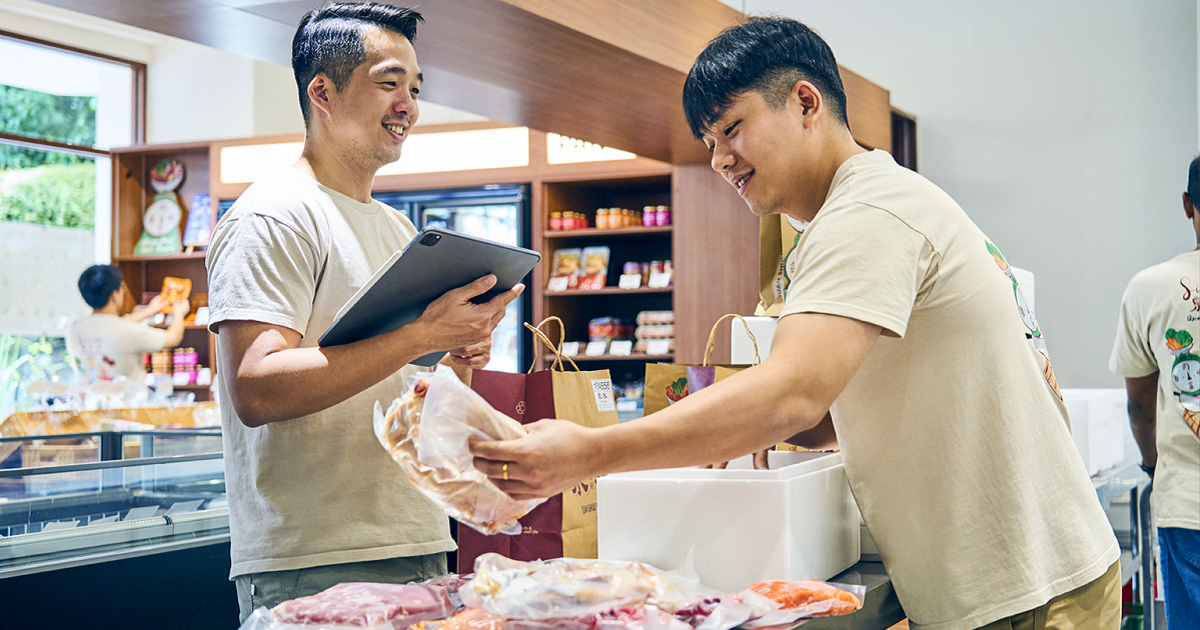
795,521
741,348
1098,419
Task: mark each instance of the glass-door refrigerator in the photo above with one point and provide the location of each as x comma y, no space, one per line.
497,213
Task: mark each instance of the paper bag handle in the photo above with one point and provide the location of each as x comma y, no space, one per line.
557,350
712,338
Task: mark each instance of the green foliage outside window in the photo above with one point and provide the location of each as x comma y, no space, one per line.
47,187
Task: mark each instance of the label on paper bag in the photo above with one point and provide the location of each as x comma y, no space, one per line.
603,390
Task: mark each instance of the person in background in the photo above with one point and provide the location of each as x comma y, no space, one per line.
314,500
109,344
902,339
1156,352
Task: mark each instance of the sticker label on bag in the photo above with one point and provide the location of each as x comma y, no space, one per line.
603,390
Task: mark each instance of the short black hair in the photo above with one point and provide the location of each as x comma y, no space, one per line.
767,55
329,41
97,283
1193,189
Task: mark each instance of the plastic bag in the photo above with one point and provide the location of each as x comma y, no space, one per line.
357,606
566,588
427,431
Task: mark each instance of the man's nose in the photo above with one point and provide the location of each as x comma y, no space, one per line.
722,160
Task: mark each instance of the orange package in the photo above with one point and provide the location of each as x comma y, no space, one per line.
809,596
174,290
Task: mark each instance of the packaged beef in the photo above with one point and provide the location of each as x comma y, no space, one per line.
427,431
355,605
810,597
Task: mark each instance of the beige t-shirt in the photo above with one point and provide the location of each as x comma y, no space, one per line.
956,443
1161,309
319,489
108,346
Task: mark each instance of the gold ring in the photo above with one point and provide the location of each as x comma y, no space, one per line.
504,469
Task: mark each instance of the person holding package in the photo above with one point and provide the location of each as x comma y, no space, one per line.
109,344
1156,352
313,499
904,337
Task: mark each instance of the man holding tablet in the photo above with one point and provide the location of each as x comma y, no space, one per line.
313,499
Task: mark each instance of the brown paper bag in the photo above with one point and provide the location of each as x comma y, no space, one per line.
777,244
668,383
565,525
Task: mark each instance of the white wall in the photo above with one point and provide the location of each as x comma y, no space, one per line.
1064,129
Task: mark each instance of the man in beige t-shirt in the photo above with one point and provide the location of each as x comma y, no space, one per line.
904,336
1156,351
109,344
313,499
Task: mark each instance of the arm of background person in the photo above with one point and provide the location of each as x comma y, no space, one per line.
813,357
146,312
1142,407
175,330
270,378
819,438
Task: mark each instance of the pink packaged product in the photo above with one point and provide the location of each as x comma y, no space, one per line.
357,605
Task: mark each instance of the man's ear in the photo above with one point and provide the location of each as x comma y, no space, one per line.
320,92
1188,208
807,99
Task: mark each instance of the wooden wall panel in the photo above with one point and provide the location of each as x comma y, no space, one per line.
868,110
716,260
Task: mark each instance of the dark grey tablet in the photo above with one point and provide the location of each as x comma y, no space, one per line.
436,261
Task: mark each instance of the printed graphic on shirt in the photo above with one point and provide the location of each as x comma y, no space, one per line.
96,365
1185,375
1027,317
1191,293
791,260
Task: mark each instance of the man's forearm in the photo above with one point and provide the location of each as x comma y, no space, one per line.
295,382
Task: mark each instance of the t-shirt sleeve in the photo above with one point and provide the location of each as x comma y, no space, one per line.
141,338
1132,356
860,262
262,270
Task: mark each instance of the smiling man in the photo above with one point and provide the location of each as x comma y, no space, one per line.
313,500
903,337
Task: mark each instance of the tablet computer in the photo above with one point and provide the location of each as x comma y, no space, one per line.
435,262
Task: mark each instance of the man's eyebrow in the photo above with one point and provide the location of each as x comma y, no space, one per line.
395,69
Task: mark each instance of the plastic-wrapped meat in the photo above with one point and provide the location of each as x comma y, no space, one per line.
451,582
366,605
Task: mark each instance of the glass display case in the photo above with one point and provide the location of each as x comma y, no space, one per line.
93,497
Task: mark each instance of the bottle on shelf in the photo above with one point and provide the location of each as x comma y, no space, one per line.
602,218
556,221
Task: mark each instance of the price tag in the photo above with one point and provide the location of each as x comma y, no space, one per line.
630,281
557,283
570,348
183,507
105,520
596,348
139,513
620,348
659,280
603,390
57,525
658,346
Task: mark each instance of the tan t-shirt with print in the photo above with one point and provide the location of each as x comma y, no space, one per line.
319,489
1159,330
956,442
108,346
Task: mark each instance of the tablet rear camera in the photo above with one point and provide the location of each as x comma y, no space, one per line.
430,240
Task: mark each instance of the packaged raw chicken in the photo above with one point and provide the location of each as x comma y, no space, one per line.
357,606
427,431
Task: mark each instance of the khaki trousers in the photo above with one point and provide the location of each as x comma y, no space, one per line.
1093,606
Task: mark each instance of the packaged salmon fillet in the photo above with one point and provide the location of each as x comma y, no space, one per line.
810,597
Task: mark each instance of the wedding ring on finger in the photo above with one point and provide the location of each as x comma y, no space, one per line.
504,469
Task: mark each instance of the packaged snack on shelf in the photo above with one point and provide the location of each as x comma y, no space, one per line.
565,269
174,290
654,331
655,317
426,432
595,268
358,605
603,328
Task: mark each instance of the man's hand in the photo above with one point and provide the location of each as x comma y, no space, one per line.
555,456
475,356
454,322
179,309
154,306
